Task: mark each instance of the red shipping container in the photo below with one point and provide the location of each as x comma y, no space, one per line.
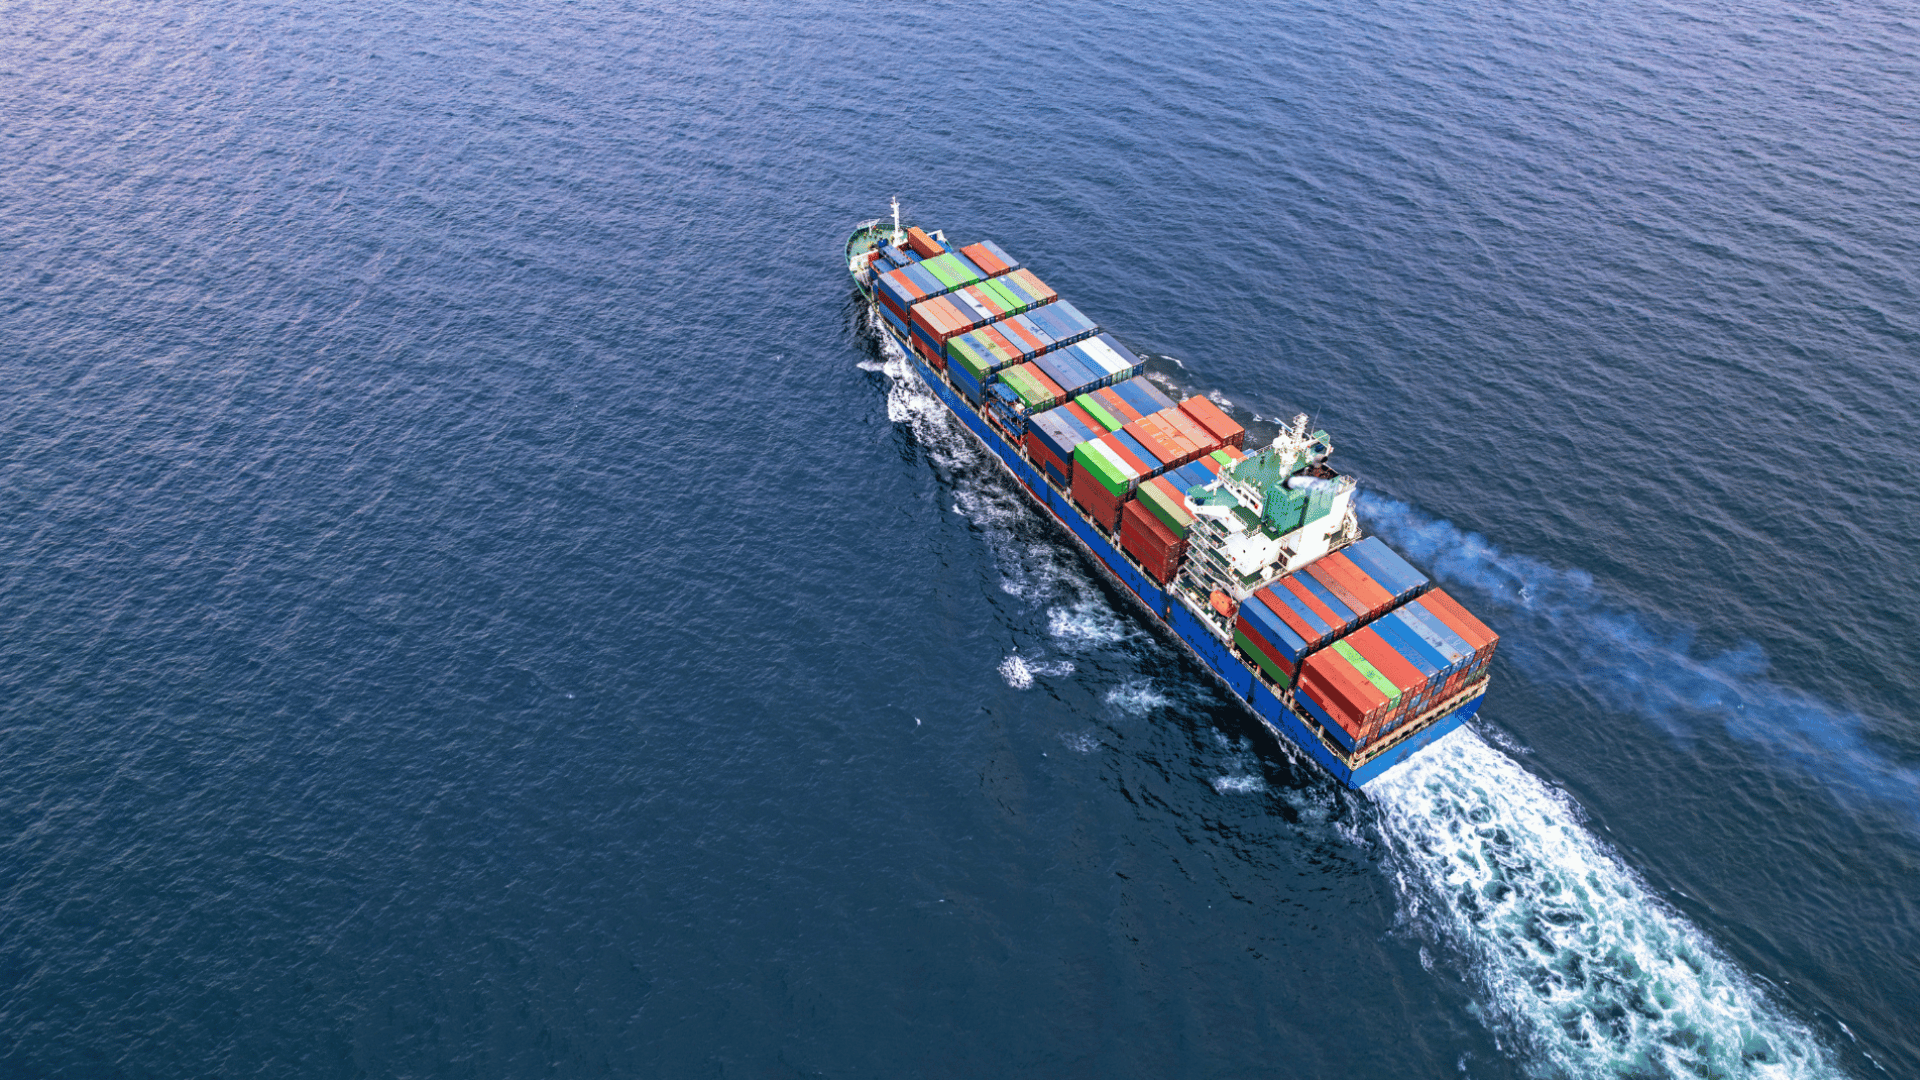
1460,621
1073,408
899,280
1115,405
1357,692
1020,336
1041,455
933,357
1000,339
986,260
1203,439
1313,604
1358,582
938,319
1165,440
1039,290
1048,386
1160,566
1292,618
1099,503
1271,654
1209,416
1143,468
1333,702
1387,660
1330,582
1157,542
922,244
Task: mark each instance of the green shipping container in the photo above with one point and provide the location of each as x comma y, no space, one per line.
1107,419
1361,665
1175,518
1014,304
963,353
1102,470
949,270
1253,653
1032,393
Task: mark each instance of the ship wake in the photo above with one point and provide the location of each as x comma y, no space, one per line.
1033,566
1581,969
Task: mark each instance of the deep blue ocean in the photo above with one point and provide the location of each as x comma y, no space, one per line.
476,600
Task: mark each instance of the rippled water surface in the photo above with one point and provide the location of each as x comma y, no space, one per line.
475,599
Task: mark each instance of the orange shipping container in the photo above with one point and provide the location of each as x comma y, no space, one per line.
922,244
1210,417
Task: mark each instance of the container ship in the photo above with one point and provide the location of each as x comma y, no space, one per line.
1252,557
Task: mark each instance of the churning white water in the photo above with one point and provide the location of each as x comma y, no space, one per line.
1577,961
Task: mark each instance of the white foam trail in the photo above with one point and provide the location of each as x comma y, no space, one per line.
1015,671
910,402
1086,623
1559,627
1238,784
1082,742
1137,697
1020,672
1576,959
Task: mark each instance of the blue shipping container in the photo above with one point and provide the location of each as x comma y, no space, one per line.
1386,567
998,253
1321,593
1142,395
964,381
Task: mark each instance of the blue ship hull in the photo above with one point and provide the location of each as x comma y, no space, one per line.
1238,675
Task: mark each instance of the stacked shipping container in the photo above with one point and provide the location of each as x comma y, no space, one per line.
1413,658
1153,527
1322,602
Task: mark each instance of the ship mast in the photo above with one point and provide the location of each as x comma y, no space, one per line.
897,235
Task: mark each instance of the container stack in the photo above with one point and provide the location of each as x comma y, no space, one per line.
1037,390
1366,685
1062,323
1165,496
1122,403
1322,602
931,322
1208,415
923,245
1153,527
988,256
981,352
1103,475
1088,365
1151,544
1116,462
1029,283
1052,436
